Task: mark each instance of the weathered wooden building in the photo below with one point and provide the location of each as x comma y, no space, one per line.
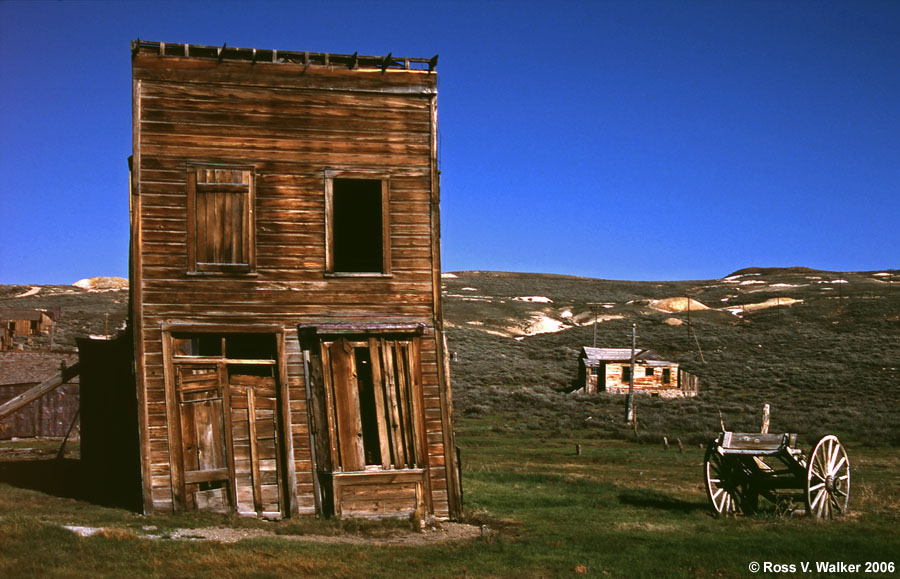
289,349
609,370
26,322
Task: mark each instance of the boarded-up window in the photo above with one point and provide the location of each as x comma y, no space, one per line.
373,402
220,219
358,235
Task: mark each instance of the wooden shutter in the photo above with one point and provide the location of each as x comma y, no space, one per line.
220,219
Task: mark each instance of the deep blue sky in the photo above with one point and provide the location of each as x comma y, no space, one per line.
644,140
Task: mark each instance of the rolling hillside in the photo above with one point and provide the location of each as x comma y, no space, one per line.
822,347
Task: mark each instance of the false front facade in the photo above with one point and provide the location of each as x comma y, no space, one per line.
288,339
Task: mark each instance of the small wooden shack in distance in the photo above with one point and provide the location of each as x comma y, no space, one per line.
609,370
26,322
286,308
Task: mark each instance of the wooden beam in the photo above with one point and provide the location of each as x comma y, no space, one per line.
254,450
375,346
32,394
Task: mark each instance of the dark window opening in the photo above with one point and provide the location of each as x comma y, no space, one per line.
367,407
626,373
667,375
358,242
250,346
649,372
206,345
231,346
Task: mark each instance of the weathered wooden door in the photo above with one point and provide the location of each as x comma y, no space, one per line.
202,399
230,443
255,440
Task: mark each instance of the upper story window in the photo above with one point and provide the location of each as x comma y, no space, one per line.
221,236
357,223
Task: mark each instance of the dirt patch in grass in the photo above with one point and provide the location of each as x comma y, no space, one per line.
438,534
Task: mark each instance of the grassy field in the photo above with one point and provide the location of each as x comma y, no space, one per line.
620,509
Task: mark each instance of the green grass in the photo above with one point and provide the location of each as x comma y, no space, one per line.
620,509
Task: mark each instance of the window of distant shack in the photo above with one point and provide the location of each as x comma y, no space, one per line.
358,235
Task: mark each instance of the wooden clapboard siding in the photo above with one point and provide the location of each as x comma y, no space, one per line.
289,123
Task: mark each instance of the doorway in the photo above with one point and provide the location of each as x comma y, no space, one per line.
229,437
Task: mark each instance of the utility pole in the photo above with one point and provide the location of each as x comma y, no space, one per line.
689,316
629,400
595,308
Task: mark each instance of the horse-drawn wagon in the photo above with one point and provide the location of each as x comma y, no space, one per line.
739,468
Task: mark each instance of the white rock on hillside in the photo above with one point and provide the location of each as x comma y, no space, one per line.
102,283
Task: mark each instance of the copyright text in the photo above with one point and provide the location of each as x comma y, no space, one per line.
822,567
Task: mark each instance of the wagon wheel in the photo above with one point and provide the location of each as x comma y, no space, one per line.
724,483
827,479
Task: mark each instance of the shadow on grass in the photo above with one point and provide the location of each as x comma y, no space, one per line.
650,499
66,478
58,477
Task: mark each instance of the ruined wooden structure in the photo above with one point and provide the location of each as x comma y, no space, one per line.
39,394
23,323
288,340
609,370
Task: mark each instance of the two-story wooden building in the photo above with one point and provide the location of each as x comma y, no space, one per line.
285,278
